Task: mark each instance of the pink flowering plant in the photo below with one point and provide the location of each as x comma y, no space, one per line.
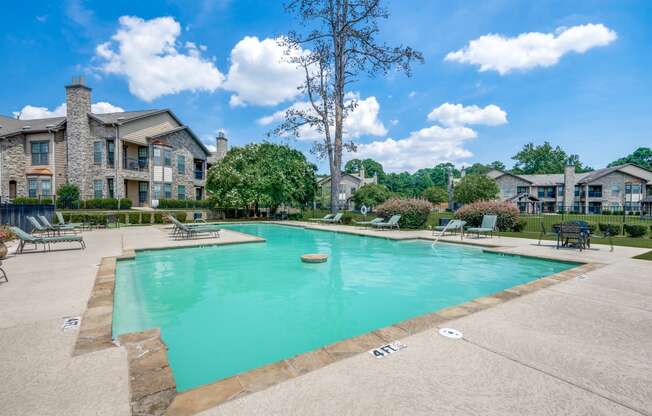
414,212
507,212
6,234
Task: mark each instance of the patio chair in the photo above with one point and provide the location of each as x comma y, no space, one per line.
38,227
335,220
453,225
487,227
392,223
325,217
63,222
544,233
366,223
57,227
4,275
26,238
192,230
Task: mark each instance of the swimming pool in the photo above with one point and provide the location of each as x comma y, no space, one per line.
223,310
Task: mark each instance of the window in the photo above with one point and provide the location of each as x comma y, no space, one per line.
167,189
110,153
199,193
181,164
595,191
167,157
157,190
578,190
546,192
98,188
181,192
199,169
157,157
522,190
40,153
110,187
142,157
142,192
615,190
46,187
560,190
97,153
32,187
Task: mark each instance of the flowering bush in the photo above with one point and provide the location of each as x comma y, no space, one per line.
414,212
508,214
6,234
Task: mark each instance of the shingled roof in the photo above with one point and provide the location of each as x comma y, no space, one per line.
12,126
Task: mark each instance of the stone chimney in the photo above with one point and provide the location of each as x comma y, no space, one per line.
78,133
569,186
221,146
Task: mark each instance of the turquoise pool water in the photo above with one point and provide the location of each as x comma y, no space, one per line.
225,310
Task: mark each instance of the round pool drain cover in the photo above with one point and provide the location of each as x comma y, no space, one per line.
450,333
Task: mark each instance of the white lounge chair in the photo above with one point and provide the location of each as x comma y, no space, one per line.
392,223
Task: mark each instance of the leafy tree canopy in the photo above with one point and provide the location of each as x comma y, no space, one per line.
480,169
435,194
545,159
262,174
641,157
371,168
472,188
371,195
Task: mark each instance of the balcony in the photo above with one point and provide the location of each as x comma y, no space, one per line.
595,194
199,175
135,164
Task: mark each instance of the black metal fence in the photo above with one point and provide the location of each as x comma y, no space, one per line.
611,217
16,214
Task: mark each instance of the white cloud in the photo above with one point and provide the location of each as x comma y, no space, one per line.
30,112
362,121
421,149
394,122
147,53
412,94
530,50
459,115
259,73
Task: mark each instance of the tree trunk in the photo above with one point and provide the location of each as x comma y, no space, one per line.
335,188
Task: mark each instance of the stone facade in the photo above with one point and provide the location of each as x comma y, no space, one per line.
78,149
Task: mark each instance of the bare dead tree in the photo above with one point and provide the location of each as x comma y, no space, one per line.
337,47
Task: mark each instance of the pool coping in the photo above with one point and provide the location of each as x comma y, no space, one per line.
151,382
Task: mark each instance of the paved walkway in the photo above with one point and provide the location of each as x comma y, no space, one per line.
581,347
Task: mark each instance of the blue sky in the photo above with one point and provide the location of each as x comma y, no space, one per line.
584,83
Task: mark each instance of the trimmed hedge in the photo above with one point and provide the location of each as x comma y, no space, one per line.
183,203
180,216
610,229
146,218
158,218
414,212
134,218
635,230
508,214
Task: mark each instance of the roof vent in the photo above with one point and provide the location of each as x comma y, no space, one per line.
26,127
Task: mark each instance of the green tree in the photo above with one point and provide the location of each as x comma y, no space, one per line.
481,169
472,188
371,195
545,159
641,157
262,175
400,183
435,194
371,168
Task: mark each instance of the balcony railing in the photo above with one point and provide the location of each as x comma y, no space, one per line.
595,194
140,165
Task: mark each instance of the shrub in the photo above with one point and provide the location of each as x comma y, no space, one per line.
347,218
371,195
122,218
134,218
158,218
610,229
295,216
414,212
23,200
473,188
519,226
125,203
181,216
6,234
145,218
68,196
508,214
635,230
606,212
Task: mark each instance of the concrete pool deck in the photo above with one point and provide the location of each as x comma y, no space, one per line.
578,347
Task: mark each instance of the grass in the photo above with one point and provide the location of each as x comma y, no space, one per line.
645,256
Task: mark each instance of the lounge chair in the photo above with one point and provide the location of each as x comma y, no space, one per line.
57,227
365,223
326,217
453,225
63,222
38,227
26,238
487,227
392,223
192,230
335,220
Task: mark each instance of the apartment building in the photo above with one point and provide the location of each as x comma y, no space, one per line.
618,188
141,155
